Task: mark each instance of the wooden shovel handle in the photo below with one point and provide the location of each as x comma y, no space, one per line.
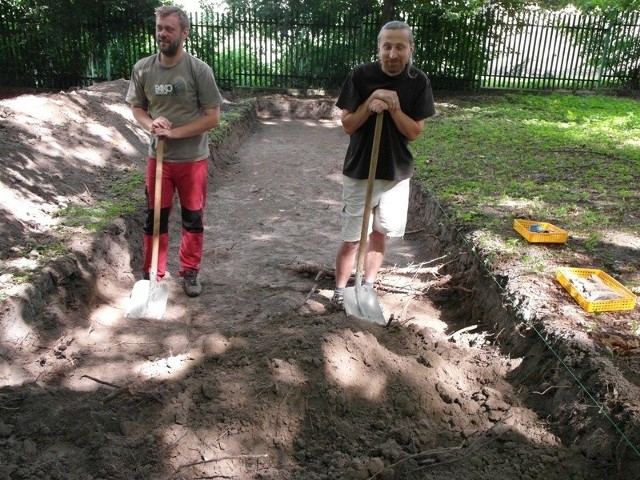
373,165
157,205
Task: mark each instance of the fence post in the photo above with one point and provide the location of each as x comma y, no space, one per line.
107,61
605,49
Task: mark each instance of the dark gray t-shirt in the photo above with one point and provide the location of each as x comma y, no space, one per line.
395,161
180,93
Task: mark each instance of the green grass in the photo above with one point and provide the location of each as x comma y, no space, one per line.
124,197
570,160
230,118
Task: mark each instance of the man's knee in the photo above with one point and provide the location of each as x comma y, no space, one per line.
349,247
164,221
192,220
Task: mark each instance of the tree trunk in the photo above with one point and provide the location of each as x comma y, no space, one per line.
388,11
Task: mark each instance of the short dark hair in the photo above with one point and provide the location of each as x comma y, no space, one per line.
167,10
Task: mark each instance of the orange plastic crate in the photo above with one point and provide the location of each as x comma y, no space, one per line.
626,302
550,233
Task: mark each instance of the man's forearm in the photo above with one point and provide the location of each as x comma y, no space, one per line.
406,125
209,120
142,117
352,121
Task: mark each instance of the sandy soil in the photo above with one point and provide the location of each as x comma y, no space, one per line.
260,377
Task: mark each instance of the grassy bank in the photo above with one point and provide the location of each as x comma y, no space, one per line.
570,160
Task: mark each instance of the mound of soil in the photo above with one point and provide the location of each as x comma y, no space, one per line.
477,374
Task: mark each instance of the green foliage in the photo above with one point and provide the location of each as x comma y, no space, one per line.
593,6
265,48
83,9
310,9
295,44
93,32
360,8
126,197
452,46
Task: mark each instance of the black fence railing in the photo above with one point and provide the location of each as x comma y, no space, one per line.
490,49
558,50
287,52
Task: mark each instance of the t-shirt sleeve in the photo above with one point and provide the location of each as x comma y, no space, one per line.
425,107
135,94
349,97
208,93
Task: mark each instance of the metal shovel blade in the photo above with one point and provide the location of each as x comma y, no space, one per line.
361,301
148,299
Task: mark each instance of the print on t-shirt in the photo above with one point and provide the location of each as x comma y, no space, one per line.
168,89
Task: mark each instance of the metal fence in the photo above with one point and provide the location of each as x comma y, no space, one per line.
287,52
563,50
490,49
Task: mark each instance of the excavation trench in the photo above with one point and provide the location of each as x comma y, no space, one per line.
261,377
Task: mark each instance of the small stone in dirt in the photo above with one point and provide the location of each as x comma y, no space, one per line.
312,307
495,404
209,391
378,425
375,465
128,429
181,418
406,406
402,436
358,471
391,451
5,430
29,447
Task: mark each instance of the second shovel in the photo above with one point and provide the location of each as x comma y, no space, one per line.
361,300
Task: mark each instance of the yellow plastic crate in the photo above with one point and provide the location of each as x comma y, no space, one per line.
626,302
549,234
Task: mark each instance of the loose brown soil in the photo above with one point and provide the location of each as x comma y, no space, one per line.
477,375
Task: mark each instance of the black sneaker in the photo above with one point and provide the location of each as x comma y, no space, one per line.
338,299
191,284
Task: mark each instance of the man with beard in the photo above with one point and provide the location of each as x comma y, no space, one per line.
391,85
174,96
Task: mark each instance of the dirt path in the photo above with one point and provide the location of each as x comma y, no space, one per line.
262,217
259,377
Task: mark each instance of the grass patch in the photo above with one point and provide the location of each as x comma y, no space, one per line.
124,195
570,160
232,114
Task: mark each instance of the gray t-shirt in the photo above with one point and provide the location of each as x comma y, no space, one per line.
180,93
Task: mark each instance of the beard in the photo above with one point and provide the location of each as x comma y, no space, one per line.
170,49
391,67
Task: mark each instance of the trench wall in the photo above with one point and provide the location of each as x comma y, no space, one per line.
582,375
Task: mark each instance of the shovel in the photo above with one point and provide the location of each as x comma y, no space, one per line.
360,300
148,298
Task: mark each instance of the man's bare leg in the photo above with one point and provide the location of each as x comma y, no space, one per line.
345,261
375,256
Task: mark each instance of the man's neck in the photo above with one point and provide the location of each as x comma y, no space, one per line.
170,61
